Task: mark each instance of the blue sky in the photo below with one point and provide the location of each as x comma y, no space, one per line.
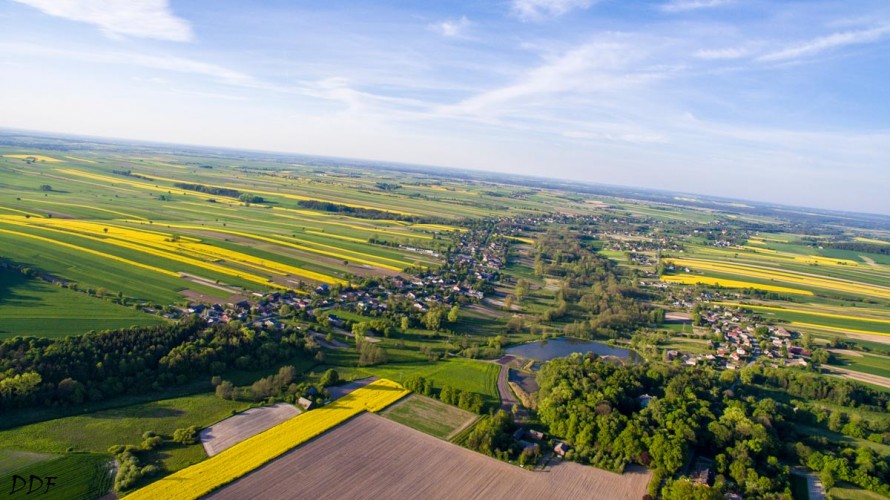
782,101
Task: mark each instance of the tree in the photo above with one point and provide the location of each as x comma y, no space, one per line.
330,377
405,323
454,314
186,435
432,320
225,390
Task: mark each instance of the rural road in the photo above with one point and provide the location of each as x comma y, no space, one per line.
814,484
508,399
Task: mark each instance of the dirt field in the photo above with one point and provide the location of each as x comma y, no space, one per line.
237,428
372,457
430,416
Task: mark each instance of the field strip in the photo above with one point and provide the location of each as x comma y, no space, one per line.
870,240
337,236
804,311
860,376
806,279
340,254
47,159
141,185
242,458
81,159
836,329
149,249
32,214
707,280
373,229
179,250
93,252
85,206
283,195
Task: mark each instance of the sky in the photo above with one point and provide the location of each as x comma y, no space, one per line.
764,100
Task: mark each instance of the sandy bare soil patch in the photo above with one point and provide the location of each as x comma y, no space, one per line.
883,339
846,352
237,428
207,282
678,317
371,457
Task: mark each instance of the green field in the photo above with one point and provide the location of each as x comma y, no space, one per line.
12,460
429,415
464,374
37,308
97,431
847,491
76,476
865,363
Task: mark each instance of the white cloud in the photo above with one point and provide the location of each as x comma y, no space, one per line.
535,10
165,63
136,18
723,54
824,43
451,27
687,5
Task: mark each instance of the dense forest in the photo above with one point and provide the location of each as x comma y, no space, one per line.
41,371
659,415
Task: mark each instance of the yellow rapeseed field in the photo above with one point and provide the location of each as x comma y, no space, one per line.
246,456
80,159
47,159
523,240
784,276
804,311
691,279
335,252
825,261
870,240
186,250
90,251
838,330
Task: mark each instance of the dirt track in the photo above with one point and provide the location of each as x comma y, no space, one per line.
371,457
237,428
862,377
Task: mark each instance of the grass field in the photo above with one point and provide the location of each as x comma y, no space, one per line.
37,308
97,431
430,416
77,476
847,491
865,363
12,460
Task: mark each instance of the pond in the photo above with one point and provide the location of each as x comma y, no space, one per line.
545,350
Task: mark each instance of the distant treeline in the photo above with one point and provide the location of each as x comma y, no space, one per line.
96,366
861,246
366,213
216,191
